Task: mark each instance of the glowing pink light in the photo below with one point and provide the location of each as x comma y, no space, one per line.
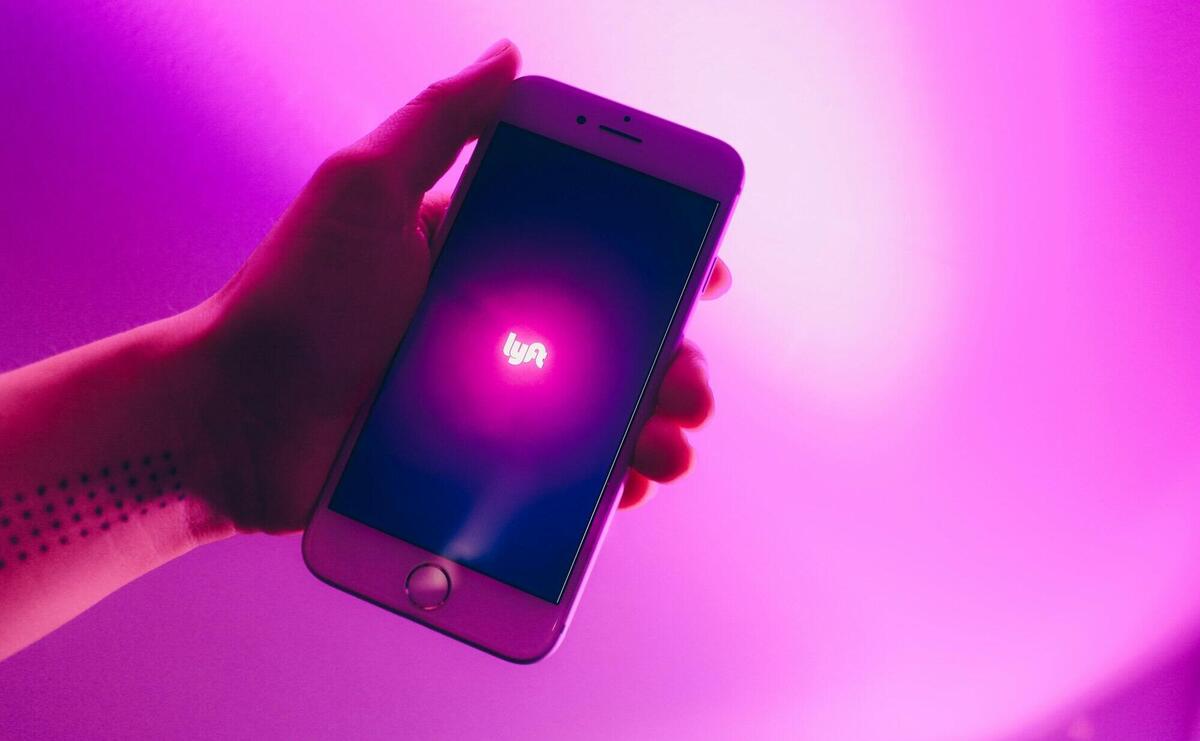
956,396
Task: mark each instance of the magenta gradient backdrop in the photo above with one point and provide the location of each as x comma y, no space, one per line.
951,489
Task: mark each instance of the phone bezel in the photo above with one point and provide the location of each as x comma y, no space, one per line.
482,611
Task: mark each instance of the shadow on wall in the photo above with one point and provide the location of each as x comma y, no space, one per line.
1160,703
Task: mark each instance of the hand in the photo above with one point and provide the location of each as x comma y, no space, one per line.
303,331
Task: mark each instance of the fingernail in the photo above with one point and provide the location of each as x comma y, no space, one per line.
494,50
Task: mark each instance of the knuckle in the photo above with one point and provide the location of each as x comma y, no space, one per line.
435,93
350,167
436,105
356,185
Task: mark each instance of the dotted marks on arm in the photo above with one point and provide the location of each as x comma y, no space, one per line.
85,503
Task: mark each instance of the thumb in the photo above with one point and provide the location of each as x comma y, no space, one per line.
422,139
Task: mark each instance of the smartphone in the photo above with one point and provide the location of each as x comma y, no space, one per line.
474,489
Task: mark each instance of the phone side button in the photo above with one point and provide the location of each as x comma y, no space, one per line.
428,586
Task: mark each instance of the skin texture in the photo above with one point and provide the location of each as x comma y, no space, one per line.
127,452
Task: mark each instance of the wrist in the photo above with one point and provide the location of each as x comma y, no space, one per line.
270,421
210,456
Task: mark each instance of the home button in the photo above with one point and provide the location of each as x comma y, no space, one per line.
428,586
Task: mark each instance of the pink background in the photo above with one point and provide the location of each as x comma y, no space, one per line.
951,490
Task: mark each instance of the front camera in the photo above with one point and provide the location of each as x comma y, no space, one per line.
581,119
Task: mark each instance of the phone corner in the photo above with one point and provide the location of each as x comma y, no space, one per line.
732,164
307,551
538,655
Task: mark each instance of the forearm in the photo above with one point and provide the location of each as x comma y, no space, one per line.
109,456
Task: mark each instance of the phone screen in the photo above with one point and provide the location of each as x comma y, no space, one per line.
500,418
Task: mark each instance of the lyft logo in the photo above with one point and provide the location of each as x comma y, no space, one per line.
519,352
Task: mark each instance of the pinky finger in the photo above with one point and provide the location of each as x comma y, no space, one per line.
637,490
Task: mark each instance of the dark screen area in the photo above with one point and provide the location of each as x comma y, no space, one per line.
498,423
